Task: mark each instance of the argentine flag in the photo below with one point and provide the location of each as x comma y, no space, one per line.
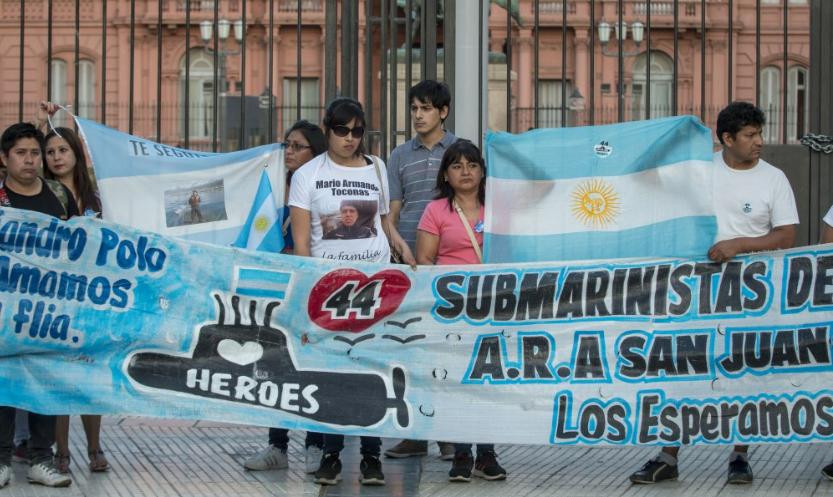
636,189
262,230
148,185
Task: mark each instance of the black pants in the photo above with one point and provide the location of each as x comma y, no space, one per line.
279,437
41,436
371,446
466,448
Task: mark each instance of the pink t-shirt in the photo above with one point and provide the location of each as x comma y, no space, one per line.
455,244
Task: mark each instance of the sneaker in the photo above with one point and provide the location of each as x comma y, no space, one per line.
21,454
371,471
486,467
5,475
655,471
329,472
827,471
312,458
446,451
739,472
461,467
408,448
45,474
269,458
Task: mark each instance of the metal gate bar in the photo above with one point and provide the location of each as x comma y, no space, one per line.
103,60
354,65
49,95
730,50
648,65
676,77
132,64
158,71
758,53
784,73
563,62
77,59
187,116
20,75
703,60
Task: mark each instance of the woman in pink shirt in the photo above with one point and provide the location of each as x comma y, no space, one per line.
451,232
442,238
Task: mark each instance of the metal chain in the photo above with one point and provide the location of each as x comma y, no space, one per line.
818,143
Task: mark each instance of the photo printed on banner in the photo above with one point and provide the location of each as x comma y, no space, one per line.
195,204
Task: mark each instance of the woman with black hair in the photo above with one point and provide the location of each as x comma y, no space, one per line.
66,162
318,191
302,142
451,232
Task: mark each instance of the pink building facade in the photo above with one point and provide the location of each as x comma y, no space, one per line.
96,77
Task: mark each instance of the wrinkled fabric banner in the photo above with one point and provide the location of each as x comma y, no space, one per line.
102,319
635,189
196,195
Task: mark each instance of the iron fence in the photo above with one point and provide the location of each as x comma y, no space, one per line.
292,56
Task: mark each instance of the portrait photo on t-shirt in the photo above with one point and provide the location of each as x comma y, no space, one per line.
354,220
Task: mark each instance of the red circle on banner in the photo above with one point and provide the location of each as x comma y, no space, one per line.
349,300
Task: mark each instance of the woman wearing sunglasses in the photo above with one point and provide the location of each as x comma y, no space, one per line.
339,207
302,142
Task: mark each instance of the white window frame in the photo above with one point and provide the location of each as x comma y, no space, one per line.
310,101
86,88
771,103
796,89
549,102
201,95
662,82
58,90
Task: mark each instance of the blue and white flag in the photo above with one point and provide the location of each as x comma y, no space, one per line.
637,189
190,194
261,283
262,230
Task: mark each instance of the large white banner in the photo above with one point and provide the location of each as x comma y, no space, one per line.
99,318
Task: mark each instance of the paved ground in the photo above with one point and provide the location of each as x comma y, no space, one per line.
186,458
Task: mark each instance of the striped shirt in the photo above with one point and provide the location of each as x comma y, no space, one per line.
412,177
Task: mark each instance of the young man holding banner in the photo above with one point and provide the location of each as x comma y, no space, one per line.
21,148
756,211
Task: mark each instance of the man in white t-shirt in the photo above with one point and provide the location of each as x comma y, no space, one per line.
756,211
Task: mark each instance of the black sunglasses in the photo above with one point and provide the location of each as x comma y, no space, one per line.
341,130
295,146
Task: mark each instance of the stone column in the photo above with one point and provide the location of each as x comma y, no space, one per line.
525,69
470,96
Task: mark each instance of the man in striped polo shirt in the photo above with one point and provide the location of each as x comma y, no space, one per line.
413,166
412,176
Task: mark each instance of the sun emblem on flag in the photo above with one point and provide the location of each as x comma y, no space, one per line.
595,203
261,223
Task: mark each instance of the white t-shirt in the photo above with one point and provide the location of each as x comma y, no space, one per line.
345,209
751,202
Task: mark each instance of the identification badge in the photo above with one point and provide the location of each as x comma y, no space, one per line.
478,227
